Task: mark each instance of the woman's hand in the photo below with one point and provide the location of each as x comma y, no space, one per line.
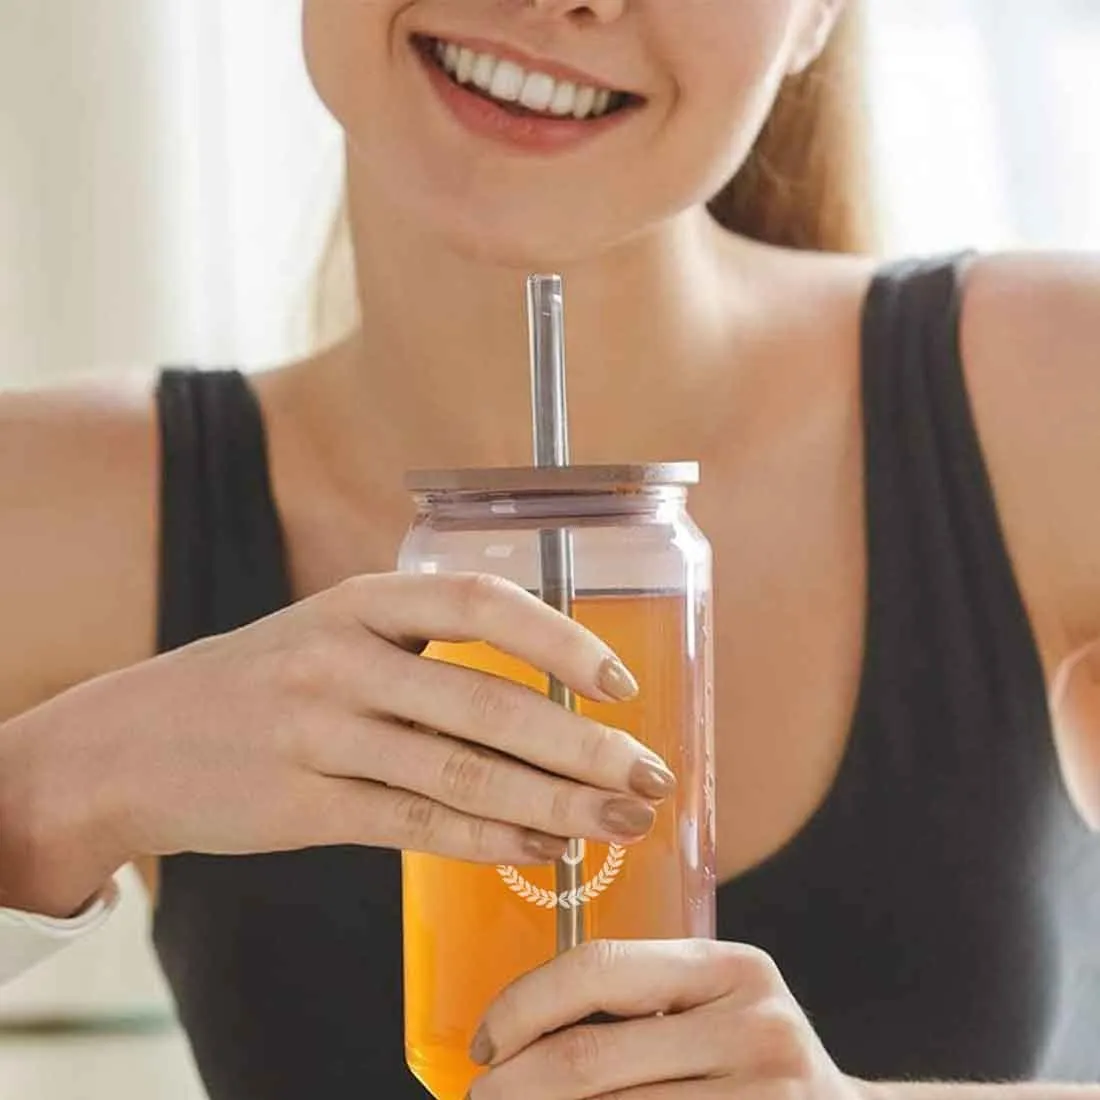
701,1020
322,725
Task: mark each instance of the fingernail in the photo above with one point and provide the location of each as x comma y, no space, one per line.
651,779
543,848
481,1049
615,680
627,818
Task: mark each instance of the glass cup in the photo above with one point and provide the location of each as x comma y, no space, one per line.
641,580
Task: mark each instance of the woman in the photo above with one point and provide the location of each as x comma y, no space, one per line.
897,490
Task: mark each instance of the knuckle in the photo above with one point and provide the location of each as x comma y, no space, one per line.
295,737
420,819
711,956
345,589
465,776
747,968
597,957
479,839
350,594
782,1051
305,667
599,746
476,594
562,811
706,951
578,1052
492,705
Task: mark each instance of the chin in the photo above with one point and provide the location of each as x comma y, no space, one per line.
524,225
525,244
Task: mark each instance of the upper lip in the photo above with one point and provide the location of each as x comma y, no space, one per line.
529,61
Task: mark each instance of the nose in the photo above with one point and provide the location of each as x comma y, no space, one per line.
600,11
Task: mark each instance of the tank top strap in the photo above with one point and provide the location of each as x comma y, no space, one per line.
222,557
942,584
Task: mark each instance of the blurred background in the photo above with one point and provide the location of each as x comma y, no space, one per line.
167,180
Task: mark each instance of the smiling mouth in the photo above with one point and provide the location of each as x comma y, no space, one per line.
520,91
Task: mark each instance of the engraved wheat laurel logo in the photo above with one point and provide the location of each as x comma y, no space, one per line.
566,899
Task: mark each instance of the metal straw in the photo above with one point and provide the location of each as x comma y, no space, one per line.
551,432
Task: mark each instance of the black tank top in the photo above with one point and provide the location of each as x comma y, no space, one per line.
937,917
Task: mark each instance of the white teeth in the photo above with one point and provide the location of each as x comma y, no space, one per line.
586,100
465,65
509,82
565,98
483,71
538,91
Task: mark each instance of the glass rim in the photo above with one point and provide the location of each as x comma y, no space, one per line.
625,477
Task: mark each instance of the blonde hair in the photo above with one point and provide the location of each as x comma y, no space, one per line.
805,185
807,182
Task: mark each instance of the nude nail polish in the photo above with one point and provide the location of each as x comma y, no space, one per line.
481,1049
651,779
616,680
544,849
627,818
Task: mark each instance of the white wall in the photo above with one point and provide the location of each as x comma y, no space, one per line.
164,175
985,127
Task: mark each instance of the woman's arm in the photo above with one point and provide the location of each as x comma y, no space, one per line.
77,578
78,537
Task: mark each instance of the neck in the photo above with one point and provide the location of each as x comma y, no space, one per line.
440,362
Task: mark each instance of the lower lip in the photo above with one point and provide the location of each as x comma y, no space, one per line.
528,133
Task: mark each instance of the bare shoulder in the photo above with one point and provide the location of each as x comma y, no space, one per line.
1037,315
78,504
1030,341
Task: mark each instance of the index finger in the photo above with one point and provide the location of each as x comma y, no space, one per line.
481,607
